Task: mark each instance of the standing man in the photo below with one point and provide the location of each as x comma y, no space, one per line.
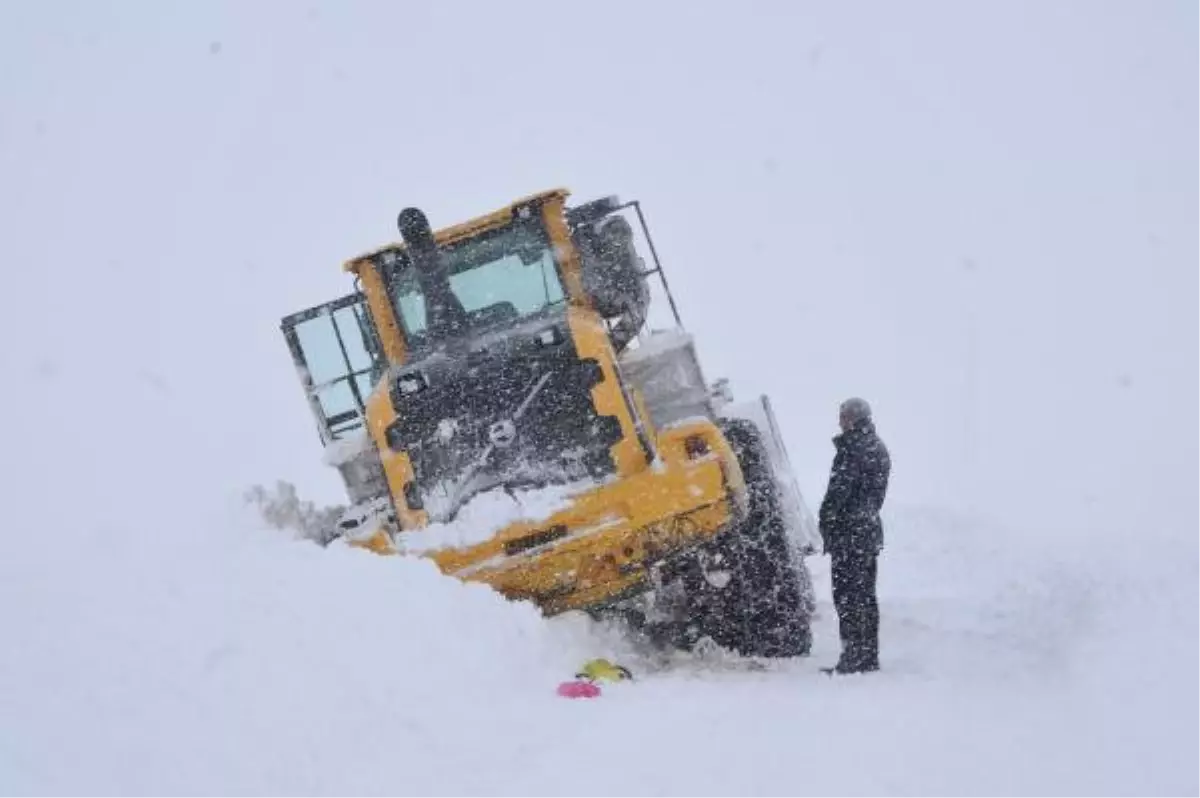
853,534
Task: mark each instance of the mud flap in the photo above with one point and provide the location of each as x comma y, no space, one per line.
800,522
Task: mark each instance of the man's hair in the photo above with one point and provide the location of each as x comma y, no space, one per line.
856,409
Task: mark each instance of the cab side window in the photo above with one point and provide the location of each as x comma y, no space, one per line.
335,352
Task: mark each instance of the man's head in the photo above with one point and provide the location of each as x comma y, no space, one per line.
852,412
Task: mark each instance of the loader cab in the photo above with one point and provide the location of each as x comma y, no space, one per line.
493,282
535,257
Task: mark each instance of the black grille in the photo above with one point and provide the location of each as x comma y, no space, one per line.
536,539
516,412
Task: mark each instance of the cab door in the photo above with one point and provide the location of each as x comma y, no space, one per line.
337,356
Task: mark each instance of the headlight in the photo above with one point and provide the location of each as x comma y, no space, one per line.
411,383
549,337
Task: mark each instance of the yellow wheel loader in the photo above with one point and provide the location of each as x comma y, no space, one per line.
514,356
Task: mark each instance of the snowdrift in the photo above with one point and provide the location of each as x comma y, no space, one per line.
219,656
225,658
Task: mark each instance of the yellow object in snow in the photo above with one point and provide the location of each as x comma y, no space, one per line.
603,670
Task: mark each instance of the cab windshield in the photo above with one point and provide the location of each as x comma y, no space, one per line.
498,278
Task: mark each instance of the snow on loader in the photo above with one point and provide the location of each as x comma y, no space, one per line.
516,353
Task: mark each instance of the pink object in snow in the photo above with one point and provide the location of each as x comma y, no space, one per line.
578,689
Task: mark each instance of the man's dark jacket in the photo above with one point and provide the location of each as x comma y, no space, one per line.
850,522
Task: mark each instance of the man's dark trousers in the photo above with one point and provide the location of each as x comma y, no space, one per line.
857,608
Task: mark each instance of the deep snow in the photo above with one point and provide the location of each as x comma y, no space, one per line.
222,657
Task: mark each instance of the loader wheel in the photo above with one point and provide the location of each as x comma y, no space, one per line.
761,610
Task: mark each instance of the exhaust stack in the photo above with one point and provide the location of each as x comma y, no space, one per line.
445,314
419,240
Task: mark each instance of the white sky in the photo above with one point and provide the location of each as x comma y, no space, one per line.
980,216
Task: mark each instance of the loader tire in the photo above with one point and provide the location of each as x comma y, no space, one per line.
762,610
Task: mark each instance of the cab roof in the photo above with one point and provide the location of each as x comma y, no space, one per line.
457,232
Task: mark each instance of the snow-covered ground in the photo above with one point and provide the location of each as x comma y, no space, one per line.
980,216
216,656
